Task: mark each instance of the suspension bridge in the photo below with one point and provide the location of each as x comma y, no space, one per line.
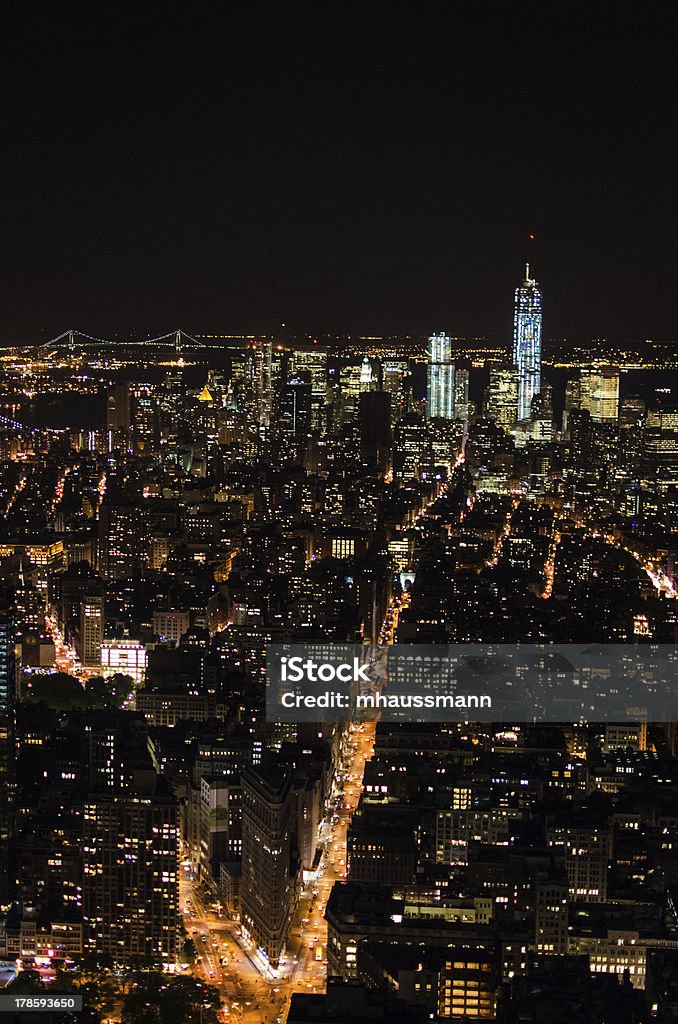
74,341
16,427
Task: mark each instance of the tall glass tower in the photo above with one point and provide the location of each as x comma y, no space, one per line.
527,342
440,390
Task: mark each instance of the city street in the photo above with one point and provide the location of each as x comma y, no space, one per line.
655,573
246,995
249,993
65,656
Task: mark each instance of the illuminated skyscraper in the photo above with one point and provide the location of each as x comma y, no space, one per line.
354,380
440,390
131,885
296,409
259,372
527,342
123,547
91,630
501,397
145,418
413,448
395,380
599,392
267,883
462,370
314,361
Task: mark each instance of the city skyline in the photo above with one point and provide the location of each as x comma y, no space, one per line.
503,335
201,504
339,514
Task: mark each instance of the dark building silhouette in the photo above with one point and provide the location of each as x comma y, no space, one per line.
375,430
267,877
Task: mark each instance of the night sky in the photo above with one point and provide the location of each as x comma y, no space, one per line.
358,167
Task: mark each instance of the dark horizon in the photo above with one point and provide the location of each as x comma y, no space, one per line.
372,169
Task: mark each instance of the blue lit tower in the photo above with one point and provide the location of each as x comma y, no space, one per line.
527,342
440,390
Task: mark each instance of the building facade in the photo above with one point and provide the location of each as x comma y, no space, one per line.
440,382
267,884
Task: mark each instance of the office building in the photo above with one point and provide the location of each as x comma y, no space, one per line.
527,327
501,396
599,393
131,885
259,371
584,845
218,803
351,1002
124,545
296,411
126,656
551,907
440,380
119,416
170,625
375,430
395,379
313,362
413,447
267,881
145,419
462,372
91,630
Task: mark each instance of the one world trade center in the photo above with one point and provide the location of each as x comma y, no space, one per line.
527,342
